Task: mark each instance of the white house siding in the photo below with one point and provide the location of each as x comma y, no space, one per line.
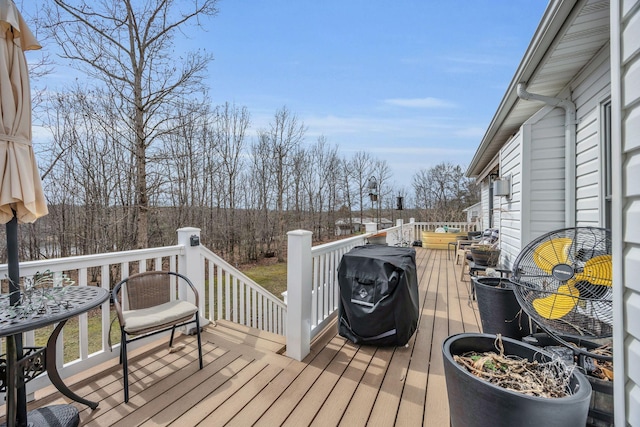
534,158
625,65
510,209
544,194
589,92
484,199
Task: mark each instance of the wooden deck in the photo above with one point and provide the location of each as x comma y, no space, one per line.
247,381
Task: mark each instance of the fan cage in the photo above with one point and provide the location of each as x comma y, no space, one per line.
563,282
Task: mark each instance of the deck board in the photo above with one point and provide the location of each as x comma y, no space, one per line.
337,402
411,409
247,380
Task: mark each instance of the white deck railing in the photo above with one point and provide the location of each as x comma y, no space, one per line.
312,283
231,295
225,292
312,278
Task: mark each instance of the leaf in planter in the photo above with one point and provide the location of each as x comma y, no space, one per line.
484,362
607,373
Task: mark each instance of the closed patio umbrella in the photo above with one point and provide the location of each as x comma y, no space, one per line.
20,187
21,195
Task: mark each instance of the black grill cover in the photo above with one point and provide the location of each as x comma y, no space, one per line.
378,295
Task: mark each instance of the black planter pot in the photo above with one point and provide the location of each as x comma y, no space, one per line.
474,402
485,257
499,310
601,404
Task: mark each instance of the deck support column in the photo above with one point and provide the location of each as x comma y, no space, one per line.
190,264
299,284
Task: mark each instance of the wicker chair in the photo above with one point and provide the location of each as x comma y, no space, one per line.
151,310
462,246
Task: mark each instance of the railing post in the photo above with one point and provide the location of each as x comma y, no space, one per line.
299,264
189,264
412,227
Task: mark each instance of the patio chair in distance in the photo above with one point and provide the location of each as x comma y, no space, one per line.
151,310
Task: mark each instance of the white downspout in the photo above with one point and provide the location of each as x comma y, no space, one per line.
569,144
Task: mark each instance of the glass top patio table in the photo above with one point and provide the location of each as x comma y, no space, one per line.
65,302
53,305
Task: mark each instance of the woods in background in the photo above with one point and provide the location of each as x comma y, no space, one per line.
139,150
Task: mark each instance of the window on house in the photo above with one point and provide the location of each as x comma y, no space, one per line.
606,165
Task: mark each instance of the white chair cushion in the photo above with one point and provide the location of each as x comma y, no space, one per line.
147,318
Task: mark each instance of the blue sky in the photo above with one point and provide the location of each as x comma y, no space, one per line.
415,82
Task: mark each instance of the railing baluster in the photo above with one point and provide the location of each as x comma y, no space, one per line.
229,296
219,290
241,308
105,275
260,312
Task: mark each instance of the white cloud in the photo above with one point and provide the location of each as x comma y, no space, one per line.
409,130
480,59
428,102
471,132
423,151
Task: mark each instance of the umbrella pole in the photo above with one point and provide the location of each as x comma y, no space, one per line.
13,266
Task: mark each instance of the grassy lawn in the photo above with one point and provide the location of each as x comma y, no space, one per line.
272,277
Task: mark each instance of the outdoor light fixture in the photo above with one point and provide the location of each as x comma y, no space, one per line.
502,187
372,185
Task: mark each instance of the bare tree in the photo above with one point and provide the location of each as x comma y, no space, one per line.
361,166
344,186
231,127
84,163
284,135
127,46
382,173
177,174
316,173
442,192
263,197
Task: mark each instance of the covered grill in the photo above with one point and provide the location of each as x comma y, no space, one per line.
378,295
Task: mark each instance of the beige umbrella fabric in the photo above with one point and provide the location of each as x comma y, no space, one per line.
20,186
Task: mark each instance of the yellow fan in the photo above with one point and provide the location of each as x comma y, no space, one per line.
597,271
563,280
551,253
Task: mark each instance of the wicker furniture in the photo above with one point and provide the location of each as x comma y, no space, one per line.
462,246
150,309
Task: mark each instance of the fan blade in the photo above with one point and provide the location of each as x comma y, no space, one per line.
559,304
551,253
599,270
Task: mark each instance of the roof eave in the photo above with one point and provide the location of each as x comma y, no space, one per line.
552,21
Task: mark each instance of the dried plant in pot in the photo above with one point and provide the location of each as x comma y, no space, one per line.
486,255
476,402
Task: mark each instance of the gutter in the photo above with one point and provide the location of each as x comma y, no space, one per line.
569,147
